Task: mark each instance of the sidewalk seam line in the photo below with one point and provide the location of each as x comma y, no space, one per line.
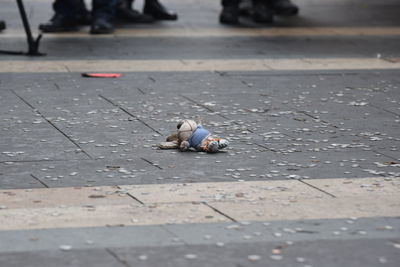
115,256
50,122
219,212
317,188
163,226
40,181
135,198
152,163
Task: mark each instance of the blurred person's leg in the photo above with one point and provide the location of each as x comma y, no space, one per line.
2,25
158,10
284,7
262,11
126,12
230,12
280,7
103,13
68,14
246,7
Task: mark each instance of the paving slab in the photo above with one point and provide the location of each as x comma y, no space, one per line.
282,231
199,203
225,192
13,177
219,234
308,209
372,186
82,173
72,196
86,238
354,253
107,215
98,257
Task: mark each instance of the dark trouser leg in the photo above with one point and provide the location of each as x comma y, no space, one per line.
2,25
67,8
230,3
262,11
284,7
230,12
103,15
104,8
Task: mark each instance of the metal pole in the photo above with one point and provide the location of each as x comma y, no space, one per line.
33,45
25,22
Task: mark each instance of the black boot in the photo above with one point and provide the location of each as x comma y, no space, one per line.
127,13
102,25
133,16
59,23
246,8
262,11
158,11
284,7
2,25
229,14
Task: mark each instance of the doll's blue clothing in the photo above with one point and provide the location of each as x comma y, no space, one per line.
197,136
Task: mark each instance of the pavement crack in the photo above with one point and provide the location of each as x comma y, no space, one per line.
132,196
135,198
152,163
317,188
222,73
51,123
315,118
57,86
130,114
220,212
173,234
115,256
40,181
384,154
267,148
141,90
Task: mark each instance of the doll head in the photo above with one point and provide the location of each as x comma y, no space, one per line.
185,129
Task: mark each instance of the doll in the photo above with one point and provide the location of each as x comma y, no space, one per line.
193,135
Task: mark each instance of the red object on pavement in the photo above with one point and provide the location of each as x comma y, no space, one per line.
102,75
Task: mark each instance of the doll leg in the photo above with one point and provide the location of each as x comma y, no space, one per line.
222,143
213,147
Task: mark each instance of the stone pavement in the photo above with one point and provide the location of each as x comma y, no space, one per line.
309,104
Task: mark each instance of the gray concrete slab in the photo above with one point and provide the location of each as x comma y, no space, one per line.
76,173
85,238
221,48
348,253
209,244
12,176
307,230
98,257
344,143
